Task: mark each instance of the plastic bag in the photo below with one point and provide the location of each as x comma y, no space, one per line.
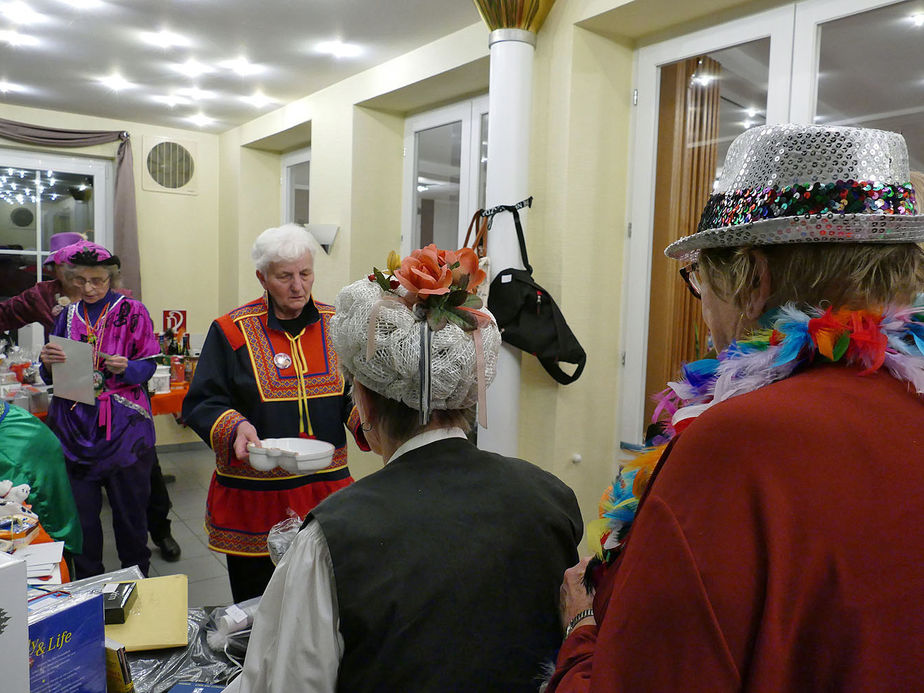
157,671
281,536
230,619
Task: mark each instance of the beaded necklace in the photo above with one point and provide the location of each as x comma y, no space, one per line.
95,333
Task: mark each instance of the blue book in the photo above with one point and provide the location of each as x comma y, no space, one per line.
66,644
193,687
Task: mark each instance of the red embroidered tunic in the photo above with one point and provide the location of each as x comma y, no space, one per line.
249,370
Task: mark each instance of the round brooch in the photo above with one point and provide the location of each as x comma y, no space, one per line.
282,360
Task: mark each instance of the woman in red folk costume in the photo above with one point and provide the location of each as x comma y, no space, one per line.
759,550
268,370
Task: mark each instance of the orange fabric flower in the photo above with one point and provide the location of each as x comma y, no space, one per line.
468,264
423,272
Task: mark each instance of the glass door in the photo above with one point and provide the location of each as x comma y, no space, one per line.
696,94
296,170
881,88
445,165
41,196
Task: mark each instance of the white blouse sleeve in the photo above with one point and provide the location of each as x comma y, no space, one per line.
296,644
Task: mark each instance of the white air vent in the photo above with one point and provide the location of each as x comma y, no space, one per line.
170,165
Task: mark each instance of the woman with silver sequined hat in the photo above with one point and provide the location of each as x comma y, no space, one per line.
759,550
440,571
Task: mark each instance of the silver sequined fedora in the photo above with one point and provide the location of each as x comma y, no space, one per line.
806,184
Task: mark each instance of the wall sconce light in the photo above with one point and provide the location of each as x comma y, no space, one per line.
324,234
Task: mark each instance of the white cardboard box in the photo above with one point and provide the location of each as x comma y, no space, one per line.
14,629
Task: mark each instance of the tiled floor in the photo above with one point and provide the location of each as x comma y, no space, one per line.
208,576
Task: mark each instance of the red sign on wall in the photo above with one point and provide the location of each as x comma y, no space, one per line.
175,321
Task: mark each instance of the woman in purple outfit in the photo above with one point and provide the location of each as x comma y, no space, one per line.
109,444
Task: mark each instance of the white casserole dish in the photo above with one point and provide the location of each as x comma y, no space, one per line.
295,455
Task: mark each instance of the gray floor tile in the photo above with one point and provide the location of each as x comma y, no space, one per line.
197,568
211,592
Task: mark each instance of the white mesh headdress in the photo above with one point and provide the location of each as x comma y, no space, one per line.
393,371
810,183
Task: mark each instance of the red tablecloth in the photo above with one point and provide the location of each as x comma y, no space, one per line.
170,402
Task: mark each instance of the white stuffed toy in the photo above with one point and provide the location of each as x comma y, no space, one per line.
5,487
14,508
18,494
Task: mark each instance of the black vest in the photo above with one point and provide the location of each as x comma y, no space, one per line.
448,564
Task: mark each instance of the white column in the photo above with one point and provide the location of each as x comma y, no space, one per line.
509,107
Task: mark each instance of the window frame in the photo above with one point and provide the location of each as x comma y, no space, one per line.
775,24
469,113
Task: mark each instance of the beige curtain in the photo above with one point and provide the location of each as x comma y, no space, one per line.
125,218
688,128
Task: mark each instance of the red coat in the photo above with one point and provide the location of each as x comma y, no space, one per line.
780,548
35,304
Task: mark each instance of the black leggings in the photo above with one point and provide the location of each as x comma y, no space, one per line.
248,575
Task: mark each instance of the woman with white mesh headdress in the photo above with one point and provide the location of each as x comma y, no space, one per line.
439,572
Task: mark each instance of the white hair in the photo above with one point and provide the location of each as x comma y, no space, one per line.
281,244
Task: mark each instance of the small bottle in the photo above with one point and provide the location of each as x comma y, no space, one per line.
185,351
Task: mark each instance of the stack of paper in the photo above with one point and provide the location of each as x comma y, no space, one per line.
43,562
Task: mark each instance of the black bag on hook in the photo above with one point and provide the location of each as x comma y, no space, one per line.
529,318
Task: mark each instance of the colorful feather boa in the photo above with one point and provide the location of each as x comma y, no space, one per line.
793,340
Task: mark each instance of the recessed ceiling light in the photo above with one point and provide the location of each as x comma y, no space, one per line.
917,19
258,100
164,39
338,49
171,100
83,4
20,13
200,119
747,123
241,66
195,93
752,112
6,87
14,38
193,68
116,82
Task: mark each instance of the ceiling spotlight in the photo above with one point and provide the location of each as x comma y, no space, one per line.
200,119
20,13
195,93
14,38
83,4
192,68
748,123
917,19
241,66
338,49
6,87
258,100
752,112
164,39
116,82
172,100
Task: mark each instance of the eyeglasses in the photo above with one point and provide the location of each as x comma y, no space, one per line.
690,275
96,282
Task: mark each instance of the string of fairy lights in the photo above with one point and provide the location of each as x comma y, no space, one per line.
24,186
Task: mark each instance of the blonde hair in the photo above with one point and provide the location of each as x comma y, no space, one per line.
848,275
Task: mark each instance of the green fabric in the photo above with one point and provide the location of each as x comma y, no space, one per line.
31,454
